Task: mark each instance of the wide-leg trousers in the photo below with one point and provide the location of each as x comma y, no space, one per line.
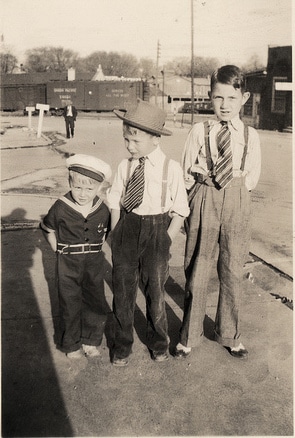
218,228
82,302
140,253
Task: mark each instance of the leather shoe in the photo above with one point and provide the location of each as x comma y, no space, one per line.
181,354
120,362
160,357
239,354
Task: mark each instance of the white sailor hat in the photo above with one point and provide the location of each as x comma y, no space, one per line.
89,166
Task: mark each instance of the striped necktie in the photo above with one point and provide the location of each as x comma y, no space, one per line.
135,187
224,164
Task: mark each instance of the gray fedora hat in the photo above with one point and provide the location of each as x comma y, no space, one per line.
146,117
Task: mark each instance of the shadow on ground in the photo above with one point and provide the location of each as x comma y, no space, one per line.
32,403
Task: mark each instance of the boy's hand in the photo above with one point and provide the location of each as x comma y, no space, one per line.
175,225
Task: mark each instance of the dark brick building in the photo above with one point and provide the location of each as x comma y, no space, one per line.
270,104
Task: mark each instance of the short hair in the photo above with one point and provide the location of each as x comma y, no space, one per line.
230,75
131,130
81,179
127,129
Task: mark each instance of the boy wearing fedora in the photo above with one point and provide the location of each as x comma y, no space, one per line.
75,227
148,205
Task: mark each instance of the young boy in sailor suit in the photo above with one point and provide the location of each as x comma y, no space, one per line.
75,227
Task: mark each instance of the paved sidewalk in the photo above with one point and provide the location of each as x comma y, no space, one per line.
210,393
19,136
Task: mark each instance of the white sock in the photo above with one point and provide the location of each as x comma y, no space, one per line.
239,347
179,346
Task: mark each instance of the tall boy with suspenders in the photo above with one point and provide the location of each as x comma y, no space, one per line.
221,164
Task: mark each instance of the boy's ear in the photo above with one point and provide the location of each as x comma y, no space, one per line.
156,140
246,96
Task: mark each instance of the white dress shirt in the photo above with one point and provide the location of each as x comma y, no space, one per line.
176,197
69,111
194,154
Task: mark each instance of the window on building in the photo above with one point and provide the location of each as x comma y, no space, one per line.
248,107
278,100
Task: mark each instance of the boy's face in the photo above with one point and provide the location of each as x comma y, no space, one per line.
227,101
139,143
83,189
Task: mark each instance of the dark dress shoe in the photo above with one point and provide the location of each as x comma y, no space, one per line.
181,354
239,354
160,357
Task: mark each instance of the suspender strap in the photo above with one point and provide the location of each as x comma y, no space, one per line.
164,180
164,183
246,136
207,146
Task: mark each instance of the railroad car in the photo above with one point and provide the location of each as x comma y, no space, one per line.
16,97
94,95
85,95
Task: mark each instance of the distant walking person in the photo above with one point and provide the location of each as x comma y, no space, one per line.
221,164
70,115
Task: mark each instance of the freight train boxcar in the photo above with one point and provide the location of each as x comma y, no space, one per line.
59,93
17,97
94,95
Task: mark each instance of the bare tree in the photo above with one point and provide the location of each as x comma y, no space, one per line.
147,68
49,59
112,63
8,62
126,65
91,62
254,63
44,59
202,66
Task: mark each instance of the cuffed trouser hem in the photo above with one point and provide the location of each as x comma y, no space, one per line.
227,342
192,341
90,343
70,349
116,353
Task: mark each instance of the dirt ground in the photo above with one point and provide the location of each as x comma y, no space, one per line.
209,394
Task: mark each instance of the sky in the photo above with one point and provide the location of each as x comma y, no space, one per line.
230,30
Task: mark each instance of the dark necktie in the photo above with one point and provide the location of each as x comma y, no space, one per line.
224,165
135,187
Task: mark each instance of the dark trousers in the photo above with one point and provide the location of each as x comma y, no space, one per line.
70,126
82,303
140,252
218,228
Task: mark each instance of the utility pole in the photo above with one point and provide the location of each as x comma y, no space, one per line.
192,63
157,68
163,91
